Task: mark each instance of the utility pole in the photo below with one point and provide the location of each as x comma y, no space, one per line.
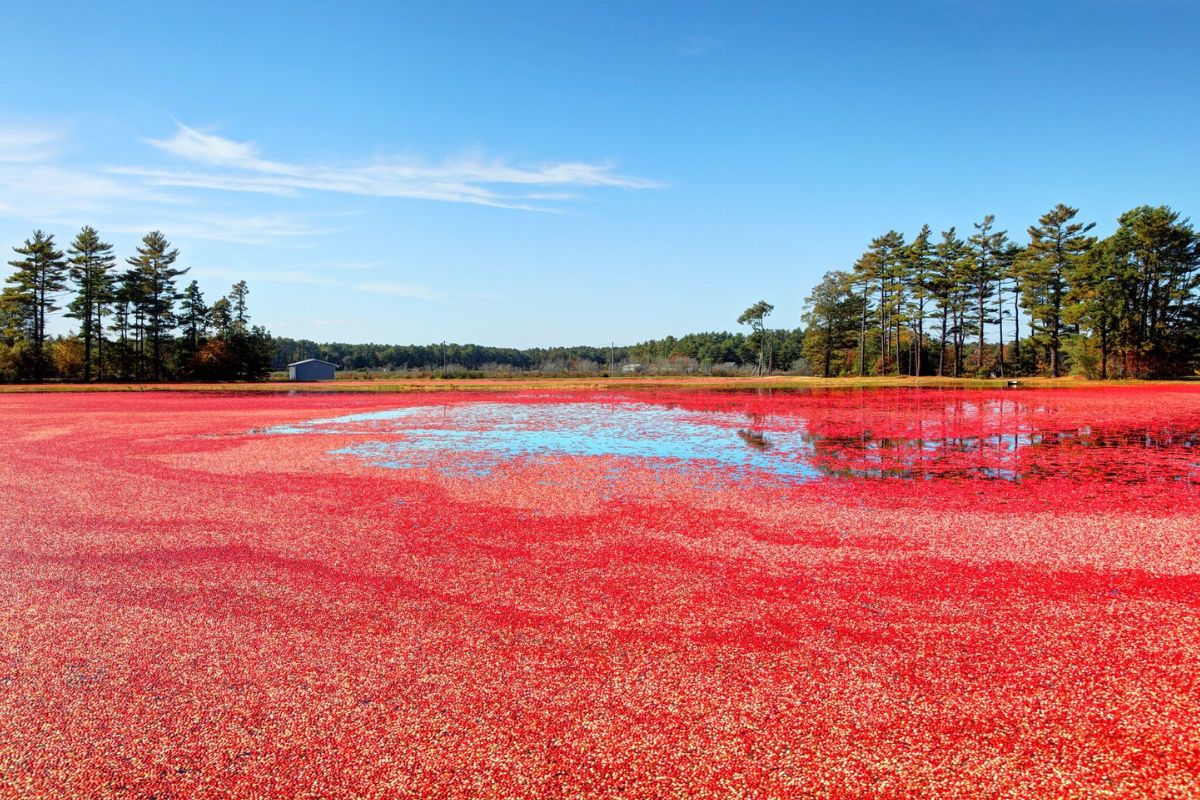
611,360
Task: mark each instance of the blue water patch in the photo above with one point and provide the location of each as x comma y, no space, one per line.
483,435
1006,442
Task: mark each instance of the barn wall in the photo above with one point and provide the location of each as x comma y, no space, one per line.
312,372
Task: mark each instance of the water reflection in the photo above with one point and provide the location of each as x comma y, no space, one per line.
484,434
804,439
756,439
1084,452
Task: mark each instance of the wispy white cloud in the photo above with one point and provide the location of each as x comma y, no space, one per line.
50,193
36,185
24,144
44,180
238,167
191,144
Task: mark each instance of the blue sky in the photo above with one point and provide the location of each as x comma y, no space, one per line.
561,173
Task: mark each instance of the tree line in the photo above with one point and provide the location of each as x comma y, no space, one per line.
134,324
1124,306
695,352
977,303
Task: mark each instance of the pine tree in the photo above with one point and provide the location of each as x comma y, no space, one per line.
220,318
120,327
32,291
1006,259
946,287
1156,256
154,264
1014,258
982,276
1096,296
1056,246
193,318
862,278
237,304
899,280
92,262
239,351
755,316
257,352
920,274
886,263
129,306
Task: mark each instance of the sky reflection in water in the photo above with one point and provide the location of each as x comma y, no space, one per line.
489,433
1000,441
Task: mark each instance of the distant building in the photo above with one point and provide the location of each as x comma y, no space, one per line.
311,369
630,368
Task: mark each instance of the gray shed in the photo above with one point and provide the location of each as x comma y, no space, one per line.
311,369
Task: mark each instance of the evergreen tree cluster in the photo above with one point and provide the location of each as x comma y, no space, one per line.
134,324
1124,306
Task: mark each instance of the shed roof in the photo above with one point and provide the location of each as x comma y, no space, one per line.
311,361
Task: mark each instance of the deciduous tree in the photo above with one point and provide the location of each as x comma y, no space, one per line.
830,317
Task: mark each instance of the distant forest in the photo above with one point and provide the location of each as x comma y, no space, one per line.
972,304
695,352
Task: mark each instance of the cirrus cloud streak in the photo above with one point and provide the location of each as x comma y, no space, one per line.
229,165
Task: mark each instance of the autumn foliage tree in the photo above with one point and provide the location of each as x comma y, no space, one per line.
236,350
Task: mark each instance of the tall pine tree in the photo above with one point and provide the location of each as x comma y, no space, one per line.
982,276
887,255
92,262
1056,247
946,282
154,265
920,273
193,318
755,316
33,290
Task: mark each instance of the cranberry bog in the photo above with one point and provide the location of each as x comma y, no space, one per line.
893,592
